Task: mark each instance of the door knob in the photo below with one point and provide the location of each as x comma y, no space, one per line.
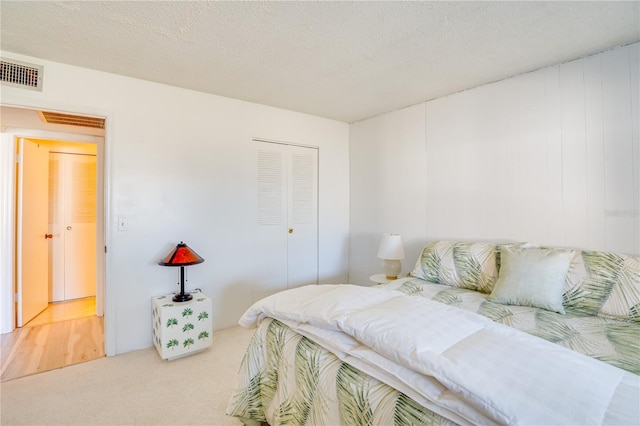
46,236
68,228
291,230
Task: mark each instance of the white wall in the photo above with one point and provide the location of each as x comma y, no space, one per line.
551,157
179,167
387,175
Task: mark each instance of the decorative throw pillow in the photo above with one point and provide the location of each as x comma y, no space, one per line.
604,284
428,264
516,246
532,277
470,265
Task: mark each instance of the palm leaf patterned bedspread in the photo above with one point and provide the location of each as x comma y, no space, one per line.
286,378
612,341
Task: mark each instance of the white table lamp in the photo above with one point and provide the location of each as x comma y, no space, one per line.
391,252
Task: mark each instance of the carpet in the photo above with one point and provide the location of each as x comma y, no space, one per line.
136,388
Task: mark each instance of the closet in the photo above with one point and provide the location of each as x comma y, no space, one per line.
286,226
72,225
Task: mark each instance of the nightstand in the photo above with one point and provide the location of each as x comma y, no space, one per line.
181,328
379,279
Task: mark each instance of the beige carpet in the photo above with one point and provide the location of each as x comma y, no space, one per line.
137,388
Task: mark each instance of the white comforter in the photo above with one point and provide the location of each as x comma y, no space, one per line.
456,363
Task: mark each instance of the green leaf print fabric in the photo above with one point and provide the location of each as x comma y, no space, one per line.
607,339
322,391
470,265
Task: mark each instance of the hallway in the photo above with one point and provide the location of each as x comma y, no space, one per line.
65,333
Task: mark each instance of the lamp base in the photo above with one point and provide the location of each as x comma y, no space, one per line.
391,268
182,297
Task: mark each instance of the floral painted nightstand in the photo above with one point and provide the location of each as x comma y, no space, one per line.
181,328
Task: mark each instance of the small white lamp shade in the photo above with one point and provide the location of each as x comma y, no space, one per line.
391,252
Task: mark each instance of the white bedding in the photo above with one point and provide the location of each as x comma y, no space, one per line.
456,363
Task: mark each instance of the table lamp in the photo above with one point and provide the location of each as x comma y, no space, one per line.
181,256
391,252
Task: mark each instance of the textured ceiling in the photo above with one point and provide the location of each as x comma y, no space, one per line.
342,60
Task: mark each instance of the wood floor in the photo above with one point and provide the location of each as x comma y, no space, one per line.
63,334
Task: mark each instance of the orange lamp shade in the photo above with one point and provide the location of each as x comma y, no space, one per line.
181,255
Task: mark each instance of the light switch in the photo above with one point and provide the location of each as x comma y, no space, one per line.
122,223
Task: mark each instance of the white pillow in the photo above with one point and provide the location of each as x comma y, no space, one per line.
532,277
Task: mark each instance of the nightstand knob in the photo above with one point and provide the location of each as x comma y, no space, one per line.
291,230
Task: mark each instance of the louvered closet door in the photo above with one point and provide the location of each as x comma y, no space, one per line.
302,224
73,222
286,248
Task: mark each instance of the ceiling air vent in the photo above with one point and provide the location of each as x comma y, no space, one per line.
71,120
21,74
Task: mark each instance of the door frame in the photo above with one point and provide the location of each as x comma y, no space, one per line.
104,297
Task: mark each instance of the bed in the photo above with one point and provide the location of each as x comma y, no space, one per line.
478,333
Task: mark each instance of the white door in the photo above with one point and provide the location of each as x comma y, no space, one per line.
80,228
72,221
302,223
56,226
32,253
286,248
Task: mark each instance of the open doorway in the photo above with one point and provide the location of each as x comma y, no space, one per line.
60,316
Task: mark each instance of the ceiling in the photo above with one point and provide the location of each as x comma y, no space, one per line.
342,60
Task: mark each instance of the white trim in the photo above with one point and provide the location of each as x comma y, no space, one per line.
109,291
284,143
7,230
53,136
